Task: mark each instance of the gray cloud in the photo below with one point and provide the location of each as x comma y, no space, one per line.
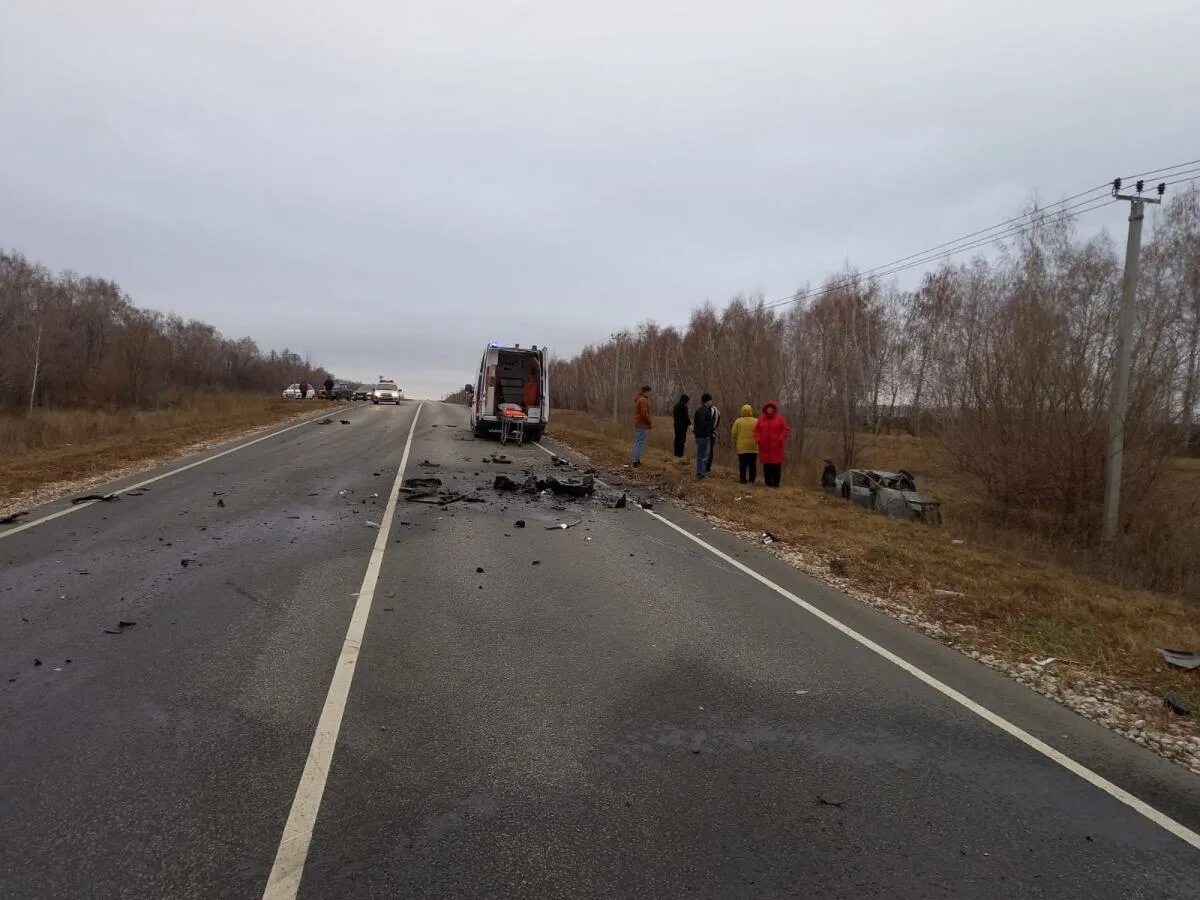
390,186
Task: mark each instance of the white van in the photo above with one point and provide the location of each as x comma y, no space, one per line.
513,375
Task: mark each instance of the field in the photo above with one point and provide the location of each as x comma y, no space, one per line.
1007,589
74,445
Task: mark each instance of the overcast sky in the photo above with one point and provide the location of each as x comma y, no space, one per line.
391,185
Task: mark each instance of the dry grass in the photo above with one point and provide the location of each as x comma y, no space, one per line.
69,445
1019,606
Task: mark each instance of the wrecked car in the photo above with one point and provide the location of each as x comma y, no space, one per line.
892,493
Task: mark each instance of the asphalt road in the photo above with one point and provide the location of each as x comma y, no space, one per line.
606,710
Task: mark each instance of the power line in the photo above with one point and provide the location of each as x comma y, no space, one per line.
1163,172
1007,223
1181,180
1012,227
902,264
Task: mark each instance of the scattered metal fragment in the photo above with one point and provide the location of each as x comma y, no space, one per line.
220,503
520,523
573,487
622,503
104,498
1181,659
1173,702
823,801
563,525
418,483
12,517
767,537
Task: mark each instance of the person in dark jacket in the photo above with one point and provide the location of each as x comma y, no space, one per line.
704,426
328,388
712,447
829,477
683,421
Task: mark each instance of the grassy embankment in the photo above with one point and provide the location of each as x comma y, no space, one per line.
75,444
1014,603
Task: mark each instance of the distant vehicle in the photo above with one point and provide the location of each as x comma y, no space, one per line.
508,377
385,392
893,493
341,391
363,392
292,392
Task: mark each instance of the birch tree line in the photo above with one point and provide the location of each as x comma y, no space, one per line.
75,341
1006,360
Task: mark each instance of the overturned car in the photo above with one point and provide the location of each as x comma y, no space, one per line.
892,493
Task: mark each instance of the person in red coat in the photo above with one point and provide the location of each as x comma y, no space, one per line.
771,434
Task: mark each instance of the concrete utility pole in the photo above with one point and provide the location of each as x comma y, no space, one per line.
617,373
1119,399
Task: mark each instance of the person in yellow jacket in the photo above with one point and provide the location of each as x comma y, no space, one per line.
745,446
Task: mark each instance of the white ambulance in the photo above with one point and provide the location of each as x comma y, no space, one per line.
512,375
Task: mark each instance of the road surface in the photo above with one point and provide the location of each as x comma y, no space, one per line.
309,705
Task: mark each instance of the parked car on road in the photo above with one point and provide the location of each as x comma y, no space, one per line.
893,493
292,392
341,391
385,392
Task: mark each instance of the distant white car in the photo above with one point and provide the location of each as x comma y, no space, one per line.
385,392
292,392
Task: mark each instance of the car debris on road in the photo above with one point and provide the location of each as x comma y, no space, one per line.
1180,659
1173,702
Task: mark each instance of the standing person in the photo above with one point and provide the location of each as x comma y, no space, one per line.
745,446
829,477
683,420
703,427
712,446
303,390
642,423
328,388
771,432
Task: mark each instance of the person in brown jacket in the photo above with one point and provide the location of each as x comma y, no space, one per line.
642,423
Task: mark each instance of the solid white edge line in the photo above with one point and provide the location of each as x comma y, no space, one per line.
1139,806
141,484
1163,821
288,869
